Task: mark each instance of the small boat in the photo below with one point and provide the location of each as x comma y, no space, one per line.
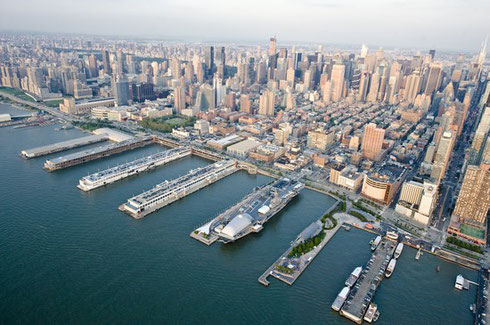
390,268
417,256
341,297
398,251
392,235
372,313
438,268
375,243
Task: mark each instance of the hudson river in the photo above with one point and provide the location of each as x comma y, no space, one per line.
71,257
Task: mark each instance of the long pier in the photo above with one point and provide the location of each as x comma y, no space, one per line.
361,295
134,167
95,153
302,262
61,146
170,191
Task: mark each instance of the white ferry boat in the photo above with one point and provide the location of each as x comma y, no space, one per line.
399,250
341,297
375,243
390,268
352,279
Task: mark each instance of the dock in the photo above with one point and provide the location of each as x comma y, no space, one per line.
95,153
288,269
252,212
134,167
62,146
170,191
362,293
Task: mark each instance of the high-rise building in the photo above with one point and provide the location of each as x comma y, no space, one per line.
267,103
412,87
179,99
209,59
338,72
106,62
245,104
220,56
372,141
272,46
120,87
443,153
93,67
433,79
482,129
142,91
469,218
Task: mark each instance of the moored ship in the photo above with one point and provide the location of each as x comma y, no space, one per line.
352,279
390,268
341,297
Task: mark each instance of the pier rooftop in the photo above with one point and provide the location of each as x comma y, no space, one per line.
94,153
361,295
169,191
114,135
65,145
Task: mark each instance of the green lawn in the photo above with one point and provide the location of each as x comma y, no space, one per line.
17,93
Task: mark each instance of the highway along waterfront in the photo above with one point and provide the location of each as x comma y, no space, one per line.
70,256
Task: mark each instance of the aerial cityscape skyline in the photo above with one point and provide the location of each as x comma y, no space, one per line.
431,24
340,178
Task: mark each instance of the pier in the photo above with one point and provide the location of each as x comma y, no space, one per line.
134,167
95,153
61,146
252,212
362,293
170,191
288,269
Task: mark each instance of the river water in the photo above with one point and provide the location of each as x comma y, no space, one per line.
72,257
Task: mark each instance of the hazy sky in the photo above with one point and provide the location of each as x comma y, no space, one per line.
440,24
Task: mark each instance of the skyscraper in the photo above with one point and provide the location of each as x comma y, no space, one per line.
106,62
267,103
412,87
209,59
469,218
372,141
245,104
443,153
482,130
272,46
433,79
179,99
221,56
120,88
338,72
